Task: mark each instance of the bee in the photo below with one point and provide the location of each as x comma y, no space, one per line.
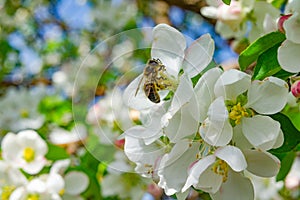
153,76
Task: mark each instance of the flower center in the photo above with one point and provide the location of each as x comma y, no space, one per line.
6,192
221,168
61,192
24,113
28,154
33,197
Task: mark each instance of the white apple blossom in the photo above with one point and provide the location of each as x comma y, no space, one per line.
44,187
25,150
233,20
287,57
10,179
169,46
219,174
60,136
235,107
126,183
19,110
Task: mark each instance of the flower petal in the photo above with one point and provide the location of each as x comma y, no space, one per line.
204,93
209,181
197,169
216,129
262,163
176,162
268,96
168,46
10,149
233,156
287,58
261,131
279,140
198,55
181,125
138,101
292,28
183,94
232,83
76,182
236,186
239,139
145,156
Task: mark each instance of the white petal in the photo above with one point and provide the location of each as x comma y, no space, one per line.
209,11
279,140
232,83
176,162
209,181
181,125
268,96
261,131
10,148
30,138
204,93
145,156
168,46
216,130
55,183
183,94
34,166
217,111
292,28
216,133
197,169
140,101
60,166
233,156
198,55
262,163
287,58
239,139
236,186
76,182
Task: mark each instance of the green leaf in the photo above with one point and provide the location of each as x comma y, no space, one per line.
259,46
227,2
267,64
278,3
286,164
291,134
56,153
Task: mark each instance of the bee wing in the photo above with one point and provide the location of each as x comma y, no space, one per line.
137,89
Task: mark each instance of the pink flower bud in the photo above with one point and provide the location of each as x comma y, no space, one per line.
280,22
296,89
120,143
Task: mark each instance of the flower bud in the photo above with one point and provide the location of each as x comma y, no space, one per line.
280,22
296,89
120,143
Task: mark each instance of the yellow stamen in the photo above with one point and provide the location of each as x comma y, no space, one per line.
6,192
28,154
61,192
24,113
237,112
221,168
33,197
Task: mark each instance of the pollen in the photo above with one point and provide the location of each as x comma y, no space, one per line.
237,112
61,192
24,113
28,154
221,168
33,197
6,192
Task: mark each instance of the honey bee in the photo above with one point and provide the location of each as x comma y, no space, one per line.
153,76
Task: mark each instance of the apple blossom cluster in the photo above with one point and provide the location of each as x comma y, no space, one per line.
107,118
205,133
25,151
